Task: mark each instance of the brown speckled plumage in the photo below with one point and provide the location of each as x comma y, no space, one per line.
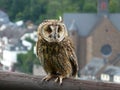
57,57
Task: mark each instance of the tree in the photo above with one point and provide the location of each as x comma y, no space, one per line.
114,6
38,10
25,61
90,6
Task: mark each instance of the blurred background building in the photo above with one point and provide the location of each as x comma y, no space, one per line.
96,37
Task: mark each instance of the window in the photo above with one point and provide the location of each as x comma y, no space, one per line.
106,49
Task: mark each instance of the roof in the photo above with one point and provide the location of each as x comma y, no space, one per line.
93,67
112,70
3,14
3,17
15,32
16,47
85,22
115,19
12,33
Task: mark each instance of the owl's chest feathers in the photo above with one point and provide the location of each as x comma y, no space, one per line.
54,57
54,54
52,50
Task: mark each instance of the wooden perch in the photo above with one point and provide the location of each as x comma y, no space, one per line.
19,81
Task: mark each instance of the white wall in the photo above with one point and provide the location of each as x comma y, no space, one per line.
116,79
10,56
105,77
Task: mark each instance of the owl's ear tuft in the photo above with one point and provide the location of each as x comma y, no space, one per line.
45,20
60,19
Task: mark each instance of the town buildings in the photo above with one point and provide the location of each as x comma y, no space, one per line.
13,40
96,37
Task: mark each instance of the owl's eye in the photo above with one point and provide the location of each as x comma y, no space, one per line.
49,30
59,29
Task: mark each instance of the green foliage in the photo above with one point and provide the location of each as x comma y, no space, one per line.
89,8
38,10
114,6
26,61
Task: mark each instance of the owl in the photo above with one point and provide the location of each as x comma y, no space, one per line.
55,51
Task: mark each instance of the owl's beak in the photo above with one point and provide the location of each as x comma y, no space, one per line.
55,36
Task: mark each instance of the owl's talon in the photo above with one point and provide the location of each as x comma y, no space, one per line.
47,78
56,80
59,79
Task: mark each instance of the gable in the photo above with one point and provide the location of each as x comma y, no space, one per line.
105,33
105,27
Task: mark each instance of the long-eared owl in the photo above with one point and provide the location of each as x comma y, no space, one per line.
55,51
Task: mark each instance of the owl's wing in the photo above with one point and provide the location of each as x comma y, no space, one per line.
38,53
72,57
37,48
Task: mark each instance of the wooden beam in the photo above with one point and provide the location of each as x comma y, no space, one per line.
19,81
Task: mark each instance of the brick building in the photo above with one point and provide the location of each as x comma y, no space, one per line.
95,35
